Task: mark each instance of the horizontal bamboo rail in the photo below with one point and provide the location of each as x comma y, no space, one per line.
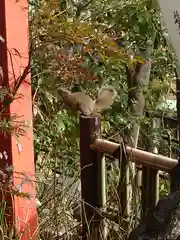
151,160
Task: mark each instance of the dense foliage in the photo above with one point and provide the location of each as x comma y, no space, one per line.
90,45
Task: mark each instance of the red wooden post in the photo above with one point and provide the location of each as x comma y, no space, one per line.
14,30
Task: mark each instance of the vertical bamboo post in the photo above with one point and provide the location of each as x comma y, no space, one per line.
92,179
175,178
150,179
150,189
123,188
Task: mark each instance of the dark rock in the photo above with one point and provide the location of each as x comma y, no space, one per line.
161,223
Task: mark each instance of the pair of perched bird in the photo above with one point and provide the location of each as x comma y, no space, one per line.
81,102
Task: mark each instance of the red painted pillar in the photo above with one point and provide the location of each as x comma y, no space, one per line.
14,58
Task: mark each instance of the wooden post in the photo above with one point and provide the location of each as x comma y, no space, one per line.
123,188
92,179
150,178
150,189
175,178
14,57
